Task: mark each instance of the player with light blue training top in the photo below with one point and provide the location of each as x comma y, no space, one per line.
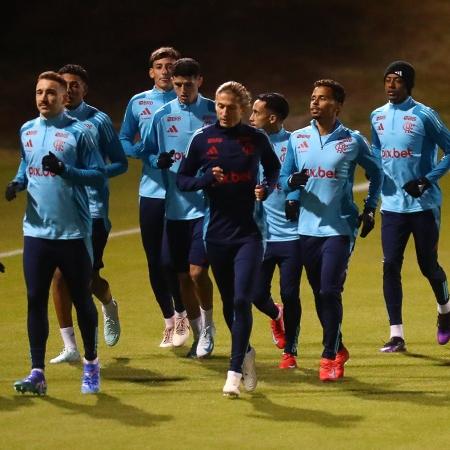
165,145
405,137
136,125
321,160
60,159
101,128
280,217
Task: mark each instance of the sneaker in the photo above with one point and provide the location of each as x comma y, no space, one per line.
34,383
90,382
111,324
205,344
181,333
192,353
167,340
277,327
67,355
394,345
443,332
342,356
327,370
231,387
249,371
288,361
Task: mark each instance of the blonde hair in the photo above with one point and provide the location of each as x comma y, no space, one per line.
239,90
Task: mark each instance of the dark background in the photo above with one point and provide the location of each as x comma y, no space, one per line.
281,45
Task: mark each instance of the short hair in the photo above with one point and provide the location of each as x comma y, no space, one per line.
163,52
276,103
75,69
51,75
239,90
186,67
337,88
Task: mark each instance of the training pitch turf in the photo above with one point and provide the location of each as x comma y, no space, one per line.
155,398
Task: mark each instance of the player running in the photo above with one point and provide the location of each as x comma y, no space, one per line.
405,137
107,142
321,161
137,121
59,159
165,145
224,160
280,216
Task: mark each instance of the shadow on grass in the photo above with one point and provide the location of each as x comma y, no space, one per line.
16,402
119,370
439,361
109,407
266,409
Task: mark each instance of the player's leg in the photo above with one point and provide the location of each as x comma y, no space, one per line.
395,232
100,286
426,243
63,308
76,266
151,220
39,265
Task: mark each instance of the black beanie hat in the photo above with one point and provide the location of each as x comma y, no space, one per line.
403,70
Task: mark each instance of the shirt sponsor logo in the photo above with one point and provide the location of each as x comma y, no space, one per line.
61,134
212,152
408,127
146,113
215,140
145,102
237,177
39,172
394,153
31,133
173,118
59,145
321,173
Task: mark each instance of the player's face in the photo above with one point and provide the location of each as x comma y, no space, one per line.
228,109
323,106
261,117
187,88
76,90
395,88
161,73
50,98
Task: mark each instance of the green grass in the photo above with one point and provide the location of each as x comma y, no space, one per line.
155,398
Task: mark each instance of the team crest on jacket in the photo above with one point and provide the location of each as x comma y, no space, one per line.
58,145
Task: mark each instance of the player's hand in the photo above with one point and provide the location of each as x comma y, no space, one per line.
51,163
218,174
367,219
11,190
298,179
291,210
2,268
260,192
415,188
165,160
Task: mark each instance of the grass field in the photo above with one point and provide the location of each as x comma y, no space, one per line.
154,398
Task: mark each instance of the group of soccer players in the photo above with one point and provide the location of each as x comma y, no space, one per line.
216,191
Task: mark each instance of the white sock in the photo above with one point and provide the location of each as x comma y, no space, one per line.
170,322
68,336
444,309
207,317
180,315
196,326
40,370
397,330
109,307
85,361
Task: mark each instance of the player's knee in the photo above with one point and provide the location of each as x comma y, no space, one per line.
197,274
391,268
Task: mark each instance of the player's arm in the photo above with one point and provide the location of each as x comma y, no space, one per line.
19,182
270,164
128,132
188,177
110,143
288,168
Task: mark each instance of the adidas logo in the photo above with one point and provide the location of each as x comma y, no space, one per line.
380,127
172,129
29,143
212,152
146,112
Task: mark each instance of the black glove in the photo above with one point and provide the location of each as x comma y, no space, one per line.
291,209
51,163
2,268
415,188
165,160
298,179
11,189
367,219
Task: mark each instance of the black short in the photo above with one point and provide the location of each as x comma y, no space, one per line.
99,240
